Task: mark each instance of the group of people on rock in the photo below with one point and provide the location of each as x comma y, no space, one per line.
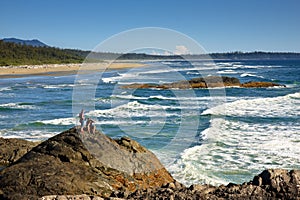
86,125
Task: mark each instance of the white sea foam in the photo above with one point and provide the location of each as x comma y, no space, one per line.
168,70
227,71
193,73
58,86
251,75
282,106
31,135
17,106
111,79
232,150
5,89
128,97
60,121
132,109
121,76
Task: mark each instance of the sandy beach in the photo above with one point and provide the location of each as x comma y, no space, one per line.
62,69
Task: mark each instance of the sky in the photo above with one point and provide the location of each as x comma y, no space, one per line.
217,25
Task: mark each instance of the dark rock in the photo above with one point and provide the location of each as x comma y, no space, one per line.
63,165
13,149
257,180
270,184
260,85
206,82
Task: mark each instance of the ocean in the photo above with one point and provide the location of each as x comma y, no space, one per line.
213,136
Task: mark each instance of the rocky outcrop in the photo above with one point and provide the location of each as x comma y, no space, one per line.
76,166
207,82
12,149
270,184
63,165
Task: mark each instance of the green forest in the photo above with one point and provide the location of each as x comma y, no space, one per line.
17,54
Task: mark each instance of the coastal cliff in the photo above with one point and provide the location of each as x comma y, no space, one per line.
63,168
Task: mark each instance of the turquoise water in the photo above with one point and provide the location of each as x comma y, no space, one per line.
210,136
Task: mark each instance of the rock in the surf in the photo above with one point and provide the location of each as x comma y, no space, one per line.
206,82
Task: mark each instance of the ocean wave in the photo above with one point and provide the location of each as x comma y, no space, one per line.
228,71
58,86
19,106
127,97
120,76
74,121
193,73
233,150
251,75
244,146
170,70
133,109
282,106
31,135
60,121
5,89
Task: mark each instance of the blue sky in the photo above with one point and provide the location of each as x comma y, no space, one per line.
218,25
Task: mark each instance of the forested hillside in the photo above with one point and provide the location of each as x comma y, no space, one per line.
17,54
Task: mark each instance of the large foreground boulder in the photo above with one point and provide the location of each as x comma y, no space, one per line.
63,165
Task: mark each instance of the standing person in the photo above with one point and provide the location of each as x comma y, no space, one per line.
81,120
91,128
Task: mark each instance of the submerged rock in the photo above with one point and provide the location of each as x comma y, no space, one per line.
62,165
206,82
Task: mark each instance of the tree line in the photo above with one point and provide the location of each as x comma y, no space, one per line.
18,54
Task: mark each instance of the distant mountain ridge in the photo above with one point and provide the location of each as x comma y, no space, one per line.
34,42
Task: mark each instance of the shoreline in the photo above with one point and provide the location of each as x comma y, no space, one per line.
63,69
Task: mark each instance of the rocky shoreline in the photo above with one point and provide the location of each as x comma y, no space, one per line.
63,168
206,82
